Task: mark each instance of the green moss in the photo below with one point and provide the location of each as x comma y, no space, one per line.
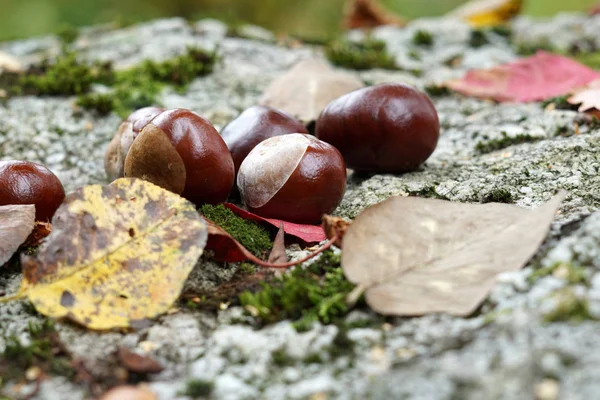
497,195
502,30
504,141
64,76
570,308
141,86
304,295
422,38
102,103
67,34
437,90
42,351
252,236
528,49
342,345
592,60
560,103
314,358
282,359
478,38
198,388
367,54
573,273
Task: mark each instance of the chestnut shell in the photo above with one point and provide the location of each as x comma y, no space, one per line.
23,182
254,125
142,117
315,187
385,128
208,164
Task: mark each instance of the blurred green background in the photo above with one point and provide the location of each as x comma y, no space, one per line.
309,18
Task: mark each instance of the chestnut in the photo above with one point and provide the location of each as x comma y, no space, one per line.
295,177
384,128
254,125
175,149
23,182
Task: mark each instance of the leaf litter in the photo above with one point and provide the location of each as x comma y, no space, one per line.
415,256
117,256
16,224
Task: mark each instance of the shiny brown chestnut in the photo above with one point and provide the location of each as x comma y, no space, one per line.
384,128
254,125
175,149
23,182
294,177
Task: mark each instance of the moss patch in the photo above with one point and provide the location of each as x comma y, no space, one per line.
570,308
367,54
504,141
592,60
252,236
44,351
429,192
422,38
497,195
572,273
198,388
64,76
304,295
559,103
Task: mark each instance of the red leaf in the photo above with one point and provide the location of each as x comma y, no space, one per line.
224,246
306,233
538,77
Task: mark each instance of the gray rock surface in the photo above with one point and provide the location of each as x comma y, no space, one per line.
507,350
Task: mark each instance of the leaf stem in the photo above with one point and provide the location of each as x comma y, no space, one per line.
267,264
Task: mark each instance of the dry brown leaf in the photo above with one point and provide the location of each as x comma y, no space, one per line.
307,88
128,392
278,254
117,256
16,223
588,97
415,256
10,63
335,227
41,231
138,363
362,14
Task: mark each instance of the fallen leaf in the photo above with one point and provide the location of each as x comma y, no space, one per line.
278,254
41,230
224,247
538,77
117,255
306,233
335,227
484,13
10,63
588,98
128,392
415,256
16,223
138,363
307,88
363,14
595,10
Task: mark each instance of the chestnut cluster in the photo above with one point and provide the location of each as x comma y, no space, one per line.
281,171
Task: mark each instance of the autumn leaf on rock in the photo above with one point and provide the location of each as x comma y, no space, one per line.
307,88
538,77
588,98
117,255
16,223
362,14
416,256
306,233
483,13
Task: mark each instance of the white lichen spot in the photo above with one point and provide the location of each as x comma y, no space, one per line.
268,167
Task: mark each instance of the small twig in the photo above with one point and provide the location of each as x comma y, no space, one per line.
267,264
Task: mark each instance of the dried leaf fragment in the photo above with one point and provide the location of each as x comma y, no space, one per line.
117,255
16,223
538,77
138,363
588,98
482,13
362,14
416,256
307,88
278,254
335,227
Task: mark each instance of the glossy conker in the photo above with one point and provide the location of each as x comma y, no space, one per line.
255,125
23,182
384,128
175,149
294,177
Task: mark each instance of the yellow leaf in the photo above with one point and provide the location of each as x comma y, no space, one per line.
118,254
484,13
